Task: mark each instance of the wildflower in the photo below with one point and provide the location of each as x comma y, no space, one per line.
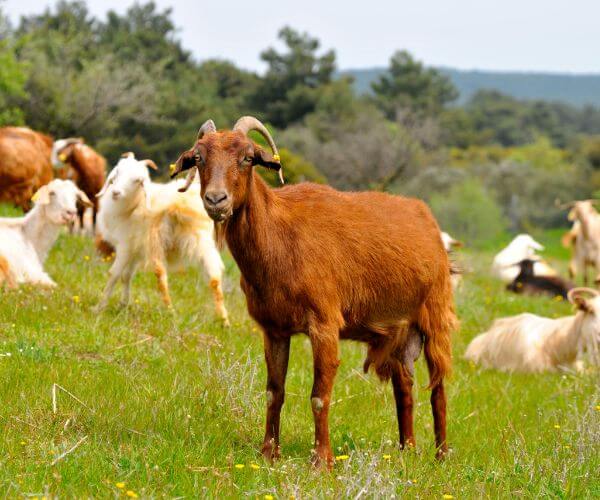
556,426
342,457
255,466
269,497
86,257
76,299
131,494
446,496
23,443
120,485
598,407
387,457
239,466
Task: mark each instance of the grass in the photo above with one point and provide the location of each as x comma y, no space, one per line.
172,404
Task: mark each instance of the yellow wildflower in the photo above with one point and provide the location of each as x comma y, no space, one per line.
131,494
556,426
239,466
23,443
86,257
76,299
446,496
120,485
269,497
255,466
598,407
387,457
342,457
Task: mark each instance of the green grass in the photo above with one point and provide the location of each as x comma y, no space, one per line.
169,403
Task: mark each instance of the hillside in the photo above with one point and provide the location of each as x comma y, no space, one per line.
576,89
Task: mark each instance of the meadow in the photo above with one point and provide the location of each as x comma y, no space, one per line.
147,402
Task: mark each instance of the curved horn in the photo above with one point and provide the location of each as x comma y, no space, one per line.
579,290
150,163
207,127
247,123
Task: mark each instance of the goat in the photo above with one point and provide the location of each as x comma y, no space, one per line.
24,164
365,266
528,283
449,245
530,343
584,239
26,241
85,167
523,246
155,226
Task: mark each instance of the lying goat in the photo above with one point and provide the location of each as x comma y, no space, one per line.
523,246
26,241
529,284
530,343
154,225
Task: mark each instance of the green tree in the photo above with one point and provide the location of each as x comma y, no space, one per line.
294,79
408,84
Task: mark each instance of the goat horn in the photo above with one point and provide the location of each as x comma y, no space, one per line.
188,180
207,127
128,154
150,163
247,123
579,290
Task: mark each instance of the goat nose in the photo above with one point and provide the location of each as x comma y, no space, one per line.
72,213
215,198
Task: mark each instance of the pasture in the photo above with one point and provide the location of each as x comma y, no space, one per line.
171,404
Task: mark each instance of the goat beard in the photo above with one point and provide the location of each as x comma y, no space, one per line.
220,230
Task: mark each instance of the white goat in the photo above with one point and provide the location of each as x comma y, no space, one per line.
584,239
523,246
26,241
530,343
450,244
155,226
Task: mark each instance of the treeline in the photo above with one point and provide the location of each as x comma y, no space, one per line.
125,83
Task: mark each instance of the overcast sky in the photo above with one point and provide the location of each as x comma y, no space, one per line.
524,35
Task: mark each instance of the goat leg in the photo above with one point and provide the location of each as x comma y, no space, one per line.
324,342
277,353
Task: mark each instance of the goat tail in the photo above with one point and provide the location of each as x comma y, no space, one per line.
436,321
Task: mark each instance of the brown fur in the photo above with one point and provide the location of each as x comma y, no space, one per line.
5,274
24,164
369,267
87,170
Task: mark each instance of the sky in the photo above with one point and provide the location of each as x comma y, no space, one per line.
511,35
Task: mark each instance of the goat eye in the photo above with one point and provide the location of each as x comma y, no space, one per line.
247,160
52,193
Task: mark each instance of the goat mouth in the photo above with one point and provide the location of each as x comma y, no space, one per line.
219,214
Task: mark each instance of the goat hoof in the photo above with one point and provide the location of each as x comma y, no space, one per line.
270,452
442,453
322,461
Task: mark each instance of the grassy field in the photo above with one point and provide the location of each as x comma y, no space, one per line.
163,404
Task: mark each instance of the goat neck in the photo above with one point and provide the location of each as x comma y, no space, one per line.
40,231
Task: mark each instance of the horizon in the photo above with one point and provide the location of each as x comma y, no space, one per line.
520,44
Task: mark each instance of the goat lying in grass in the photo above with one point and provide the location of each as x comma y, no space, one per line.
530,343
529,284
26,241
154,225
523,246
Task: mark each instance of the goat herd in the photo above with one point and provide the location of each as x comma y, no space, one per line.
368,266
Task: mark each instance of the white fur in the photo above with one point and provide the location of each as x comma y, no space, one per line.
586,232
530,343
523,246
26,241
131,205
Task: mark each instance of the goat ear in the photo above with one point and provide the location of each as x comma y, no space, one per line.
42,196
266,159
107,183
82,197
185,161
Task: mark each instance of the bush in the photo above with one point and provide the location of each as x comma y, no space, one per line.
469,213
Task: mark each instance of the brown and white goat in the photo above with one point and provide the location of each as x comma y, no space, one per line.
366,266
85,167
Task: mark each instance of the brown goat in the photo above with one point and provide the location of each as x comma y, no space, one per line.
24,164
369,267
85,167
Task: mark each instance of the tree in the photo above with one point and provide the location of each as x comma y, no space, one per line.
294,79
410,85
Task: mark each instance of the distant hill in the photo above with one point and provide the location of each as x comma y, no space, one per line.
570,88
